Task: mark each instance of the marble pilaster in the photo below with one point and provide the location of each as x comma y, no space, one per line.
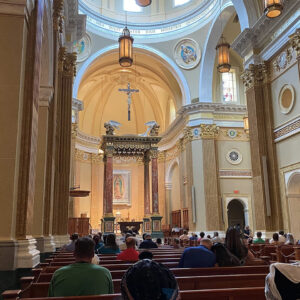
147,211
154,169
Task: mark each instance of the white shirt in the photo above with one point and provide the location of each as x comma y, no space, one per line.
281,238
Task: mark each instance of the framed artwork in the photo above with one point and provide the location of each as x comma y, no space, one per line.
156,225
122,187
109,226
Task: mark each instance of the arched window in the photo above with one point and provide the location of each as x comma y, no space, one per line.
229,87
130,5
180,2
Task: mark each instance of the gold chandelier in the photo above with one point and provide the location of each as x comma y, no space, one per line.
223,55
143,3
125,48
273,8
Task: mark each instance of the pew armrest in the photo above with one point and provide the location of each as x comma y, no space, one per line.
26,281
11,294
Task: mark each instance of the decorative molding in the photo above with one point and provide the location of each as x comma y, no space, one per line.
77,104
241,135
87,139
58,18
234,157
82,156
235,174
255,75
289,129
210,131
295,41
16,8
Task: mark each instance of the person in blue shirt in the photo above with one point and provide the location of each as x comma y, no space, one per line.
198,257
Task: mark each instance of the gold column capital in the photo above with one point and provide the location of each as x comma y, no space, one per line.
209,131
70,64
58,17
154,153
61,58
187,135
295,41
255,75
74,130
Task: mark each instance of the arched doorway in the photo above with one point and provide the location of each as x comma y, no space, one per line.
235,213
293,195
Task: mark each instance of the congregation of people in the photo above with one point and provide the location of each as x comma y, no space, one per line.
145,277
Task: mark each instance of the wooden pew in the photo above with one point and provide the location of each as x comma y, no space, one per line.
220,294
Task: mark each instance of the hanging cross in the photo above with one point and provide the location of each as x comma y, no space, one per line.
129,92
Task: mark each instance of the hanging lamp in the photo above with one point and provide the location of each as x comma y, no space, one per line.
223,55
273,8
143,3
125,48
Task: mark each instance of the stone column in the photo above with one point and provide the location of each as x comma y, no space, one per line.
295,42
147,211
154,169
46,95
213,204
266,195
168,210
108,217
66,72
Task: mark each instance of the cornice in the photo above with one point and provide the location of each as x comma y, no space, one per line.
88,139
77,104
287,130
16,7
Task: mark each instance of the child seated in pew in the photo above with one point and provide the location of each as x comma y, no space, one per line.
147,280
81,278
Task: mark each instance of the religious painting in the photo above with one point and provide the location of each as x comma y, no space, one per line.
156,225
121,187
187,54
109,226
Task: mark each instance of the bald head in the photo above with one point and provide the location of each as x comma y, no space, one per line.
206,243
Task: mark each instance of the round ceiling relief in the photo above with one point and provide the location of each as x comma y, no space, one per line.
286,98
234,157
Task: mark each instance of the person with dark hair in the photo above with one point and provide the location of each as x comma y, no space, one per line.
123,245
159,242
130,254
81,278
224,257
275,239
198,257
110,246
235,245
216,238
258,240
194,237
98,243
184,236
70,247
148,280
147,243
282,237
202,235
145,255
289,239
176,243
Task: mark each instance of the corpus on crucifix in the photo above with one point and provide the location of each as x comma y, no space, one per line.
129,92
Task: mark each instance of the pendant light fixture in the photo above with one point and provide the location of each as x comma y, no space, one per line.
143,3
223,55
223,50
125,48
273,8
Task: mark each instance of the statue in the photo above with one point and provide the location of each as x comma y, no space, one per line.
152,129
110,127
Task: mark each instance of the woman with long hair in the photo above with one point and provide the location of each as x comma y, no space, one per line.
110,246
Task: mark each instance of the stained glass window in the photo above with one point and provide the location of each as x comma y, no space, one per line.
130,5
229,92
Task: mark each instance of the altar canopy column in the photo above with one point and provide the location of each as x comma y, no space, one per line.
156,218
295,42
66,72
147,211
108,218
266,194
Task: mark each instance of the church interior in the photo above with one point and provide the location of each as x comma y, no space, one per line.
164,113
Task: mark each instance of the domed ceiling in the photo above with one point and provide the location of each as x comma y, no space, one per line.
158,99
163,18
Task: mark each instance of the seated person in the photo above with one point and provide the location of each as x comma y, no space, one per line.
289,239
147,280
247,232
198,257
110,246
281,237
258,240
159,243
147,243
283,282
81,278
202,235
70,247
122,246
224,257
275,239
176,244
216,238
98,243
130,254
184,236
194,237
145,255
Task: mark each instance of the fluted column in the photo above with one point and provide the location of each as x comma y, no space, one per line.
213,203
295,42
66,72
266,195
154,169
147,210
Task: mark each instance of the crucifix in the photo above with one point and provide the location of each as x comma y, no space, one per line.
129,92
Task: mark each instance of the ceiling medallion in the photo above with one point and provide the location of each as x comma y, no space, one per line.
234,157
83,48
187,54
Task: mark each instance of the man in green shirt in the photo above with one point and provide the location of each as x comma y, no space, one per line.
81,278
259,240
